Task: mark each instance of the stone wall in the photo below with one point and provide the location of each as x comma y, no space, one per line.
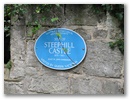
101,72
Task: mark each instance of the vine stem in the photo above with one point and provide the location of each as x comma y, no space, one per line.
64,48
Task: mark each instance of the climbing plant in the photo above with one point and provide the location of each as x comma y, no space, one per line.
117,11
19,10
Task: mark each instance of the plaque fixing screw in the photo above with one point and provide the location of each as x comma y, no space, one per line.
83,49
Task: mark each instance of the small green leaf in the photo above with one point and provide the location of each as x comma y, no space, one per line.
43,18
58,35
39,26
36,22
120,16
112,45
37,10
8,65
65,50
54,19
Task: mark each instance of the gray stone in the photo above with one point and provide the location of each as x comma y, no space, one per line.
31,35
13,88
112,87
101,60
90,85
49,85
31,59
45,17
31,71
6,73
100,34
81,14
115,33
17,70
112,22
83,33
86,86
77,70
18,42
17,51
18,20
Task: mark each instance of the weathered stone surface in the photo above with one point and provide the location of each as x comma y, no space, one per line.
13,88
31,35
49,85
112,22
77,70
17,70
80,14
17,51
91,85
6,73
112,87
31,71
31,59
101,72
101,60
115,34
83,33
100,34
17,20
45,17
17,42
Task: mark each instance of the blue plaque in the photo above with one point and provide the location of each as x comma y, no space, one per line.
60,49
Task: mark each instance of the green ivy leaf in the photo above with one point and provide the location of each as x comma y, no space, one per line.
54,19
36,22
112,45
38,10
9,65
58,35
43,18
120,16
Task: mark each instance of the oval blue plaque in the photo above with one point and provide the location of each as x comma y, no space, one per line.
60,48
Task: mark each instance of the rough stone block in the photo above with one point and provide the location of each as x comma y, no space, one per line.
91,85
17,51
18,32
100,34
101,60
86,36
77,70
49,85
17,41
31,59
115,33
81,14
13,88
17,70
112,22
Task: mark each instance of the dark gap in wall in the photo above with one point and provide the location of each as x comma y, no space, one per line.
6,38
6,48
